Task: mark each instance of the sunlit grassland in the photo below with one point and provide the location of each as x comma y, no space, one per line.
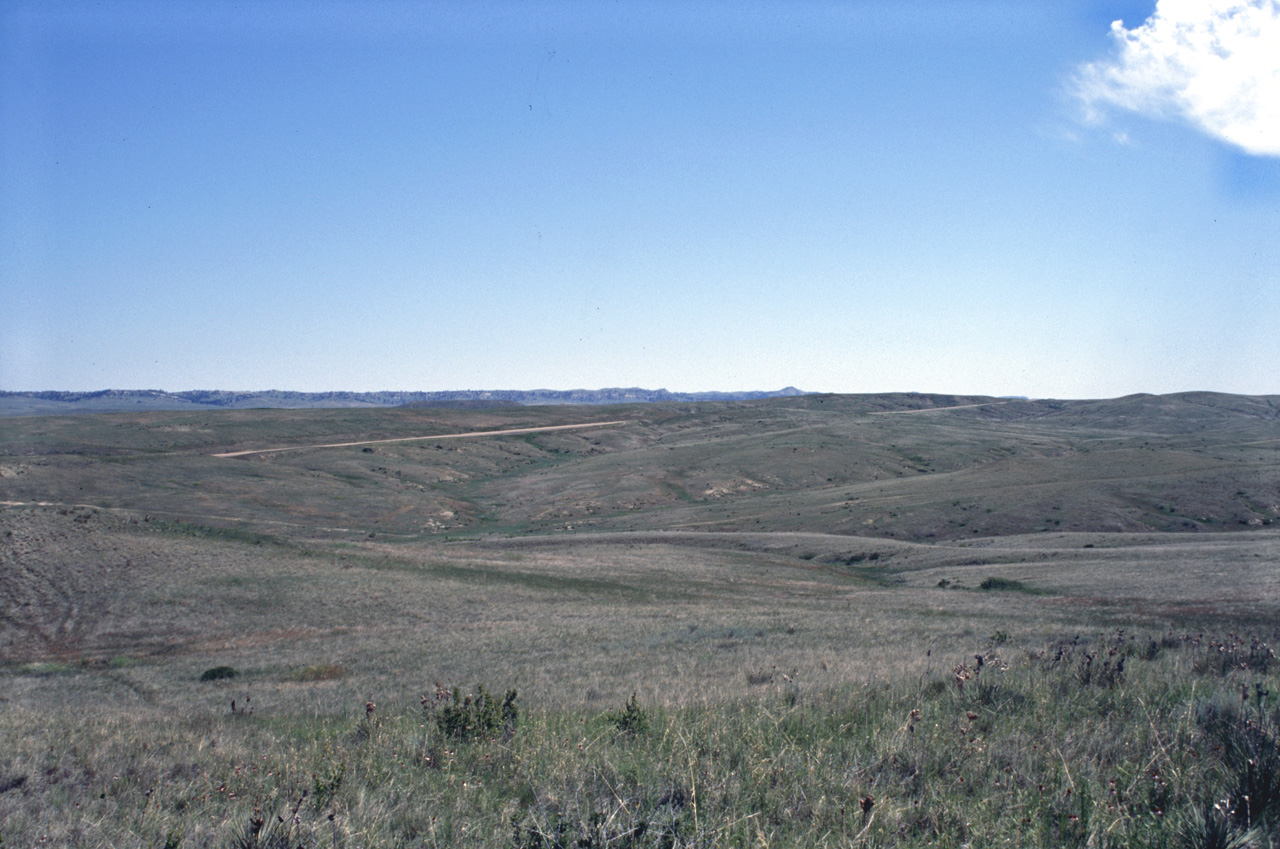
775,587
1128,740
778,671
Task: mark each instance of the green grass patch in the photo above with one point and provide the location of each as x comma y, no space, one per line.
208,532
512,577
319,672
43,668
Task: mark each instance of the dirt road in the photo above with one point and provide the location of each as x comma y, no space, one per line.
937,409
468,435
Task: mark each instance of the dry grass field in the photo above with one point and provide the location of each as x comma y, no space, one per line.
758,578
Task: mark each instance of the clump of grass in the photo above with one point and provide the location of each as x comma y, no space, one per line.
640,823
1252,757
265,831
1211,827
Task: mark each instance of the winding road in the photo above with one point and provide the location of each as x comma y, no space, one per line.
468,435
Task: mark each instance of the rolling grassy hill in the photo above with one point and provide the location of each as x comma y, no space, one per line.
885,466
811,600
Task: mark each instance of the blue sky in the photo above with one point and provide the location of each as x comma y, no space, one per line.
975,197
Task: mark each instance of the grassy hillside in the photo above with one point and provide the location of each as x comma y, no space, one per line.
719,619
884,466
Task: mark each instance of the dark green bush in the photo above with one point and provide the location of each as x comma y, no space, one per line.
632,719
477,717
1002,584
219,673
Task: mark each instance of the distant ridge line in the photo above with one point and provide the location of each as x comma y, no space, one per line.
125,400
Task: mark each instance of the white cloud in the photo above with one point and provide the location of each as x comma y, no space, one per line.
1213,63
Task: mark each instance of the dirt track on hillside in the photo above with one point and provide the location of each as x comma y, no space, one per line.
469,434
937,409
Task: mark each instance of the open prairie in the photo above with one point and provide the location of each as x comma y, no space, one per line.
713,561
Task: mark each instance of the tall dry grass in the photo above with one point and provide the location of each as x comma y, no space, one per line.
1128,740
